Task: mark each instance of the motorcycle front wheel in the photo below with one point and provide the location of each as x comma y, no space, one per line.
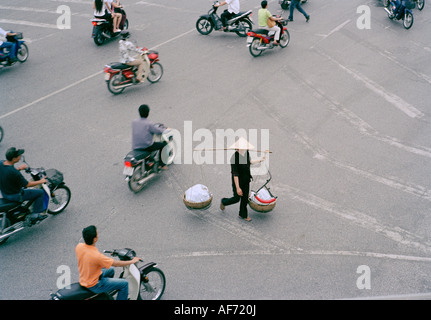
135,184
421,4
408,20
254,51
114,82
22,54
285,39
244,26
60,199
156,72
204,26
152,285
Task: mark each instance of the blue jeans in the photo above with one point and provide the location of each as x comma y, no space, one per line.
29,194
10,46
107,283
296,4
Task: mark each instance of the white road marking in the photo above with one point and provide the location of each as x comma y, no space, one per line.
29,23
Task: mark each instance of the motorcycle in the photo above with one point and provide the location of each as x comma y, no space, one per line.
140,166
103,29
19,49
405,13
15,216
285,4
119,76
240,23
260,40
145,283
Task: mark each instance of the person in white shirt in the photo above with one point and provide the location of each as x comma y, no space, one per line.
231,11
103,10
126,48
6,44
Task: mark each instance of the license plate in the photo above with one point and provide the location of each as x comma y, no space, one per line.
249,39
107,76
128,171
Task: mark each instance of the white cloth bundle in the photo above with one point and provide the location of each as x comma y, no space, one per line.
197,193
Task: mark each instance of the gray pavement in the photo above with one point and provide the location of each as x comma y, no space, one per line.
349,119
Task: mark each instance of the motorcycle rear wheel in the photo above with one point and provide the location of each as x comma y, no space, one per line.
285,39
99,38
134,180
421,4
114,82
156,72
22,54
253,47
204,26
60,199
152,285
408,20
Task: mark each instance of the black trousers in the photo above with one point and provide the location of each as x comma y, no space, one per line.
225,16
157,146
245,187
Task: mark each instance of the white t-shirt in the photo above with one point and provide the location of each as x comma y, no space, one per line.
233,6
3,35
100,13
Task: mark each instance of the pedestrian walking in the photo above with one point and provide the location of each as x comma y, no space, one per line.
297,4
241,177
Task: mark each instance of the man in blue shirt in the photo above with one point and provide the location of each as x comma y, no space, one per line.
142,134
14,186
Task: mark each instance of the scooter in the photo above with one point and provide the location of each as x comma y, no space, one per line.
260,40
140,166
19,49
405,13
15,216
119,76
240,23
103,29
145,283
285,4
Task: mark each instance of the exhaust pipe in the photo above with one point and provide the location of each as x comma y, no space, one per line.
7,235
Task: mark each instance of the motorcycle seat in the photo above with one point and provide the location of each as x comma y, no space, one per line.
6,205
241,13
137,154
261,31
119,66
75,292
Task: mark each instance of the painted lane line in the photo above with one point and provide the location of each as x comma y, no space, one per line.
29,23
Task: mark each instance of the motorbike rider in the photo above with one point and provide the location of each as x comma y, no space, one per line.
142,134
15,187
264,15
96,270
398,7
126,48
103,10
7,44
232,9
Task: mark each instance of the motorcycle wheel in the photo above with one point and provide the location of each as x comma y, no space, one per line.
285,39
204,26
7,224
245,26
421,4
99,38
156,72
172,152
60,199
22,54
254,51
134,184
152,285
285,5
385,3
113,83
391,14
1,134
408,20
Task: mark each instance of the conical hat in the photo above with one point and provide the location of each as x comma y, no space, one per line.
242,144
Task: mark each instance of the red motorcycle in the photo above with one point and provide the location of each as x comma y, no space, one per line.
260,40
119,76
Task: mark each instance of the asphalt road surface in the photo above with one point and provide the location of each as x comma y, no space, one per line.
348,115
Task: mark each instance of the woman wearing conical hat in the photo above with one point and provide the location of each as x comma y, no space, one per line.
241,177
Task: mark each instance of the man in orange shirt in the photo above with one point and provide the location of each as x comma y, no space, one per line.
96,270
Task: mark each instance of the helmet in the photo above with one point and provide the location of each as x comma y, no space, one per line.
125,34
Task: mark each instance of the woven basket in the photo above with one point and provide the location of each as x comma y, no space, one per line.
261,208
197,205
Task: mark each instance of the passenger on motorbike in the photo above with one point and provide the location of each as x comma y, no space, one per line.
15,187
142,134
103,10
6,44
264,15
126,48
230,12
95,269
